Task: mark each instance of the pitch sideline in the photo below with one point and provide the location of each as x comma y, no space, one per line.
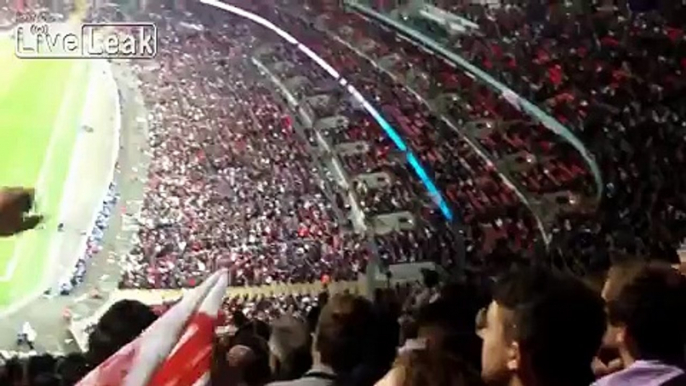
70,180
45,166
99,69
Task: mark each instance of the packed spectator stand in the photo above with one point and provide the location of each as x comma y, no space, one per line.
191,246
477,193
240,196
508,134
618,82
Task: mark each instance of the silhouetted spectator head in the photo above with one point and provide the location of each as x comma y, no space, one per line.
45,379
239,356
437,319
257,371
12,372
343,334
72,368
430,368
444,325
121,324
248,365
289,348
649,314
239,319
430,278
452,312
619,275
261,329
253,328
541,328
40,364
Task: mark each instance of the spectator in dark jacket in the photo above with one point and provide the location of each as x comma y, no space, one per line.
289,348
342,341
121,324
541,329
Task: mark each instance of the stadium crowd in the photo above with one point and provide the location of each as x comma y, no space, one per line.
556,166
237,183
497,220
533,327
231,183
617,82
223,194
490,208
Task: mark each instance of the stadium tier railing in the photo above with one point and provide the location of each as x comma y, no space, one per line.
518,191
357,215
412,160
515,99
308,118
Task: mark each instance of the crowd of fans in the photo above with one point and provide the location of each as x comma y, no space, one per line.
586,77
196,227
231,182
618,82
556,166
549,165
285,229
471,183
178,248
532,327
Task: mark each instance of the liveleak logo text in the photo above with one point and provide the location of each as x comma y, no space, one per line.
89,41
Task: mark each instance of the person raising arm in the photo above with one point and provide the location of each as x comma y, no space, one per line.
15,207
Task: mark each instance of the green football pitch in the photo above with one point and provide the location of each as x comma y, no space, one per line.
41,103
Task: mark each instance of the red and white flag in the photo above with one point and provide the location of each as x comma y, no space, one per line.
176,350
